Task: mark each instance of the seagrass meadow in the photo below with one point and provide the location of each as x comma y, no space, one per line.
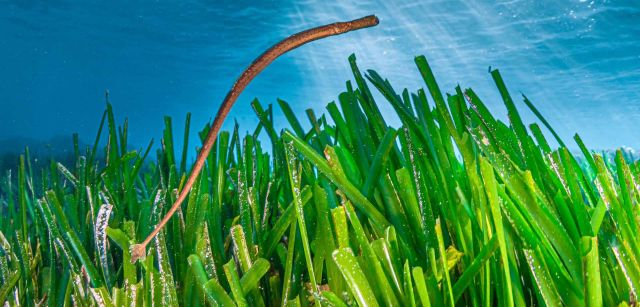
452,208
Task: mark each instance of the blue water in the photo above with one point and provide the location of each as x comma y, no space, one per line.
579,61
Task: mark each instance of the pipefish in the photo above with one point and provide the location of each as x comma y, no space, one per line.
292,42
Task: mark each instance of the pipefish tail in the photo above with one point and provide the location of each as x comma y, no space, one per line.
292,42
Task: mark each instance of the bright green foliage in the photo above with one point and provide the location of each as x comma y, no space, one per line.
453,208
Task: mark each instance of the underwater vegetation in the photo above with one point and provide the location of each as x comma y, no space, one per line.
454,207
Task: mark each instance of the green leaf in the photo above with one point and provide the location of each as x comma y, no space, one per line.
354,276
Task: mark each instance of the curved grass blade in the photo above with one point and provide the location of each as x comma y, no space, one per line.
354,276
214,293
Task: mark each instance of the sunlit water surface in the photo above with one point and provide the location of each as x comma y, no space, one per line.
578,61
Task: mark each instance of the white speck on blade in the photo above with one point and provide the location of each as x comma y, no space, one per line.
100,233
619,256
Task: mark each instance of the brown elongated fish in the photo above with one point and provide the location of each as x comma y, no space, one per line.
294,41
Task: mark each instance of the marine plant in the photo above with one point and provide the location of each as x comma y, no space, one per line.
453,207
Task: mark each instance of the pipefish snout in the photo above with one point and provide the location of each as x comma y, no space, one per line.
294,41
